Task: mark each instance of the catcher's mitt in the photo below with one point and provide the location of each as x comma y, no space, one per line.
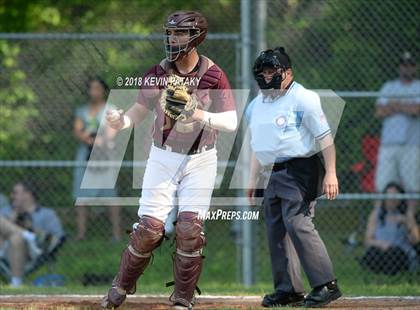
175,101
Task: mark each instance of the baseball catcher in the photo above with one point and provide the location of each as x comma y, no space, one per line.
189,110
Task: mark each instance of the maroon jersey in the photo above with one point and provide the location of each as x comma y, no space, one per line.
214,94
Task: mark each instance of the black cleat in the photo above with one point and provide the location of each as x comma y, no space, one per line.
280,298
323,295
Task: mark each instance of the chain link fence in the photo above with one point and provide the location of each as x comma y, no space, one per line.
351,47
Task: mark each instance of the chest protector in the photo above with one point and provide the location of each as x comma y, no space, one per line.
209,76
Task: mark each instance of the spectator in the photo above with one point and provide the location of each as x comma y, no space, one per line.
391,236
20,224
86,125
399,152
4,202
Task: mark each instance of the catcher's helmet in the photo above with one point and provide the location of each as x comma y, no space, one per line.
195,23
271,58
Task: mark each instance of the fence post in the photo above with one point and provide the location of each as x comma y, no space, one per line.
247,256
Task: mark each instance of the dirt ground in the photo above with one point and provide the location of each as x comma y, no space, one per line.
203,302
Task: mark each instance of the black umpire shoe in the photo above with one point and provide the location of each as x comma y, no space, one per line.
280,298
322,295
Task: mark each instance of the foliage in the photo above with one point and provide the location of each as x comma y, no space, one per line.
16,104
353,45
340,45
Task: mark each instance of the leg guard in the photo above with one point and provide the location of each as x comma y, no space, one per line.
188,259
146,237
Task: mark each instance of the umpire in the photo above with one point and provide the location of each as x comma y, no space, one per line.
288,130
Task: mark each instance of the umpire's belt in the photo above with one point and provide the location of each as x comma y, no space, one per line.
275,167
182,149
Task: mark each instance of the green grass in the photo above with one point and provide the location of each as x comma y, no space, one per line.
222,270
216,288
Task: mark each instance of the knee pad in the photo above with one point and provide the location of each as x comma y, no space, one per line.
146,236
190,238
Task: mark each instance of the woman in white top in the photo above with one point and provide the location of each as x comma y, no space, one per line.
85,129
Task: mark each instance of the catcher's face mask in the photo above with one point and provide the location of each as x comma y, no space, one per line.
179,42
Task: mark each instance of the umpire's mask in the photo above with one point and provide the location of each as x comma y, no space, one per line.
271,59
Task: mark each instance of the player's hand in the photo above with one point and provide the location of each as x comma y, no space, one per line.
330,185
115,118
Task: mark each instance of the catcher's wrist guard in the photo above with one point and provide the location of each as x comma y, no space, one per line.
127,122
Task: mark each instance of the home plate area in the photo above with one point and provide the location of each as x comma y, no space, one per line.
203,302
